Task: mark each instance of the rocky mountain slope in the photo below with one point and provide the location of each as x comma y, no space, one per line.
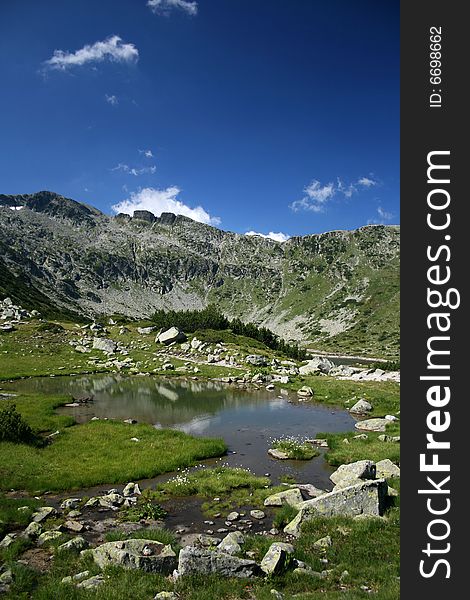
337,290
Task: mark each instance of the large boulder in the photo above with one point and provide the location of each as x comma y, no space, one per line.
315,365
350,474
104,344
362,407
376,424
231,544
171,335
43,513
146,555
193,560
365,498
292,497
386,469
276,558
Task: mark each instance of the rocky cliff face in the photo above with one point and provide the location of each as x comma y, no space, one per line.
338,290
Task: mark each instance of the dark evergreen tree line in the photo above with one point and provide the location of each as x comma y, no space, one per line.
211,318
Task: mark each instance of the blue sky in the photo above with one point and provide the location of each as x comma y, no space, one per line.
254,115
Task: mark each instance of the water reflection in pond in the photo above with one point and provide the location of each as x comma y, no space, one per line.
247,420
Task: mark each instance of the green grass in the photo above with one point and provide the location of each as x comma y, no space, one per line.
207,482
295,449
101,452
11,517
284,515
370,449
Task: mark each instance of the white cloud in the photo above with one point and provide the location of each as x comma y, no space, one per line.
277,237
316,195
366,182
113,100
134,171
165,6
111,49
384,216
166,200
146,153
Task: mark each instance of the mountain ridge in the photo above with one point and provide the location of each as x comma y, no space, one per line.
338,290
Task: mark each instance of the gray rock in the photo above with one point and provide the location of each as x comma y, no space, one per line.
43,513
257,514
386,469
376,424
309,489
233,516
279,454
8,540
171,335
365,498
74,526
361,469
92,582
33,530
256,360
361,407
49,536
76,544
324,542
145,330
165,596
292,497
305,392
104,344
77,577
276,558
146,555
193,560
231,544
315,365
70,503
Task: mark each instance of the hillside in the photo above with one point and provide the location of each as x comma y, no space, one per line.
336,291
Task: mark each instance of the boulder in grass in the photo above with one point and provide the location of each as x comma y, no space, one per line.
362,407
276,558
174,334
144,555
367,498
194,560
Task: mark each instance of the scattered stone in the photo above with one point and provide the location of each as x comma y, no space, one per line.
166,596
70,503
193,560
231,544
49,536
77,577
292,497
104,344
276,558
43,513
131,489
8,540
309,489
76,544
362,407
92,582
279,454
257,514
361,436
145,330
256,360
305,392
324,542
233,516
33,530
315,365
130,421
365,498
376,424
74,526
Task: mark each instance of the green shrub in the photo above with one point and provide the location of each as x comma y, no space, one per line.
13,428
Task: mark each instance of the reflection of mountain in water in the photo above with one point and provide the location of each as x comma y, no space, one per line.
166,403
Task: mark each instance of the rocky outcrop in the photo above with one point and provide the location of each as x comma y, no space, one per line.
146,555
194,560
365,498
